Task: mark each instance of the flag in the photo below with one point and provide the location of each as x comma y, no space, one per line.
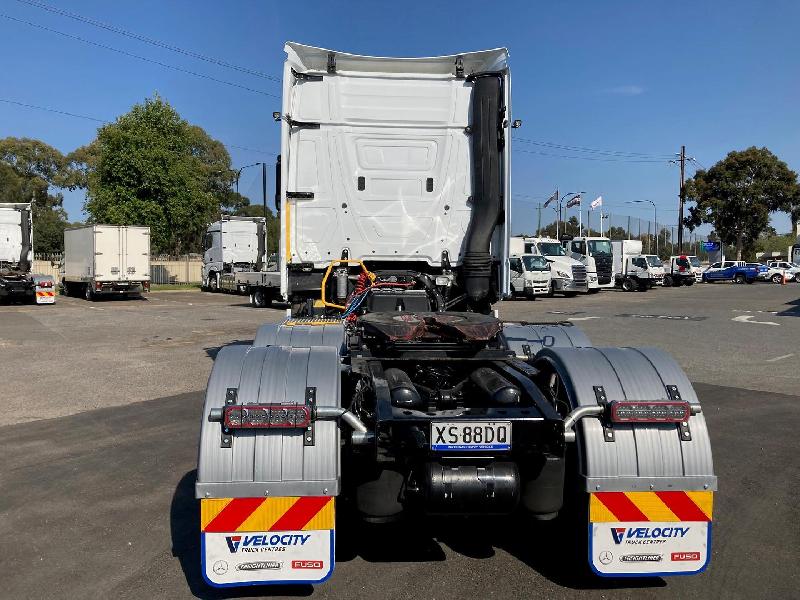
551,198
574,201
598,202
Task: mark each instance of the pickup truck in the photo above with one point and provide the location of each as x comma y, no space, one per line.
730,270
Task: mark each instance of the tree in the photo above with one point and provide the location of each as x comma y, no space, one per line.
738,193
151,167
27,170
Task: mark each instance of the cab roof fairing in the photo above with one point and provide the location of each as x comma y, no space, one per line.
309,58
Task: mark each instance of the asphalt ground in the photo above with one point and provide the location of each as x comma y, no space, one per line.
100,426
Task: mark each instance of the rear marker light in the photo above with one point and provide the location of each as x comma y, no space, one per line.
650,412
266,416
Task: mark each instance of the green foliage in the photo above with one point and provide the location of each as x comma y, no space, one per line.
27,170
150,167
738,193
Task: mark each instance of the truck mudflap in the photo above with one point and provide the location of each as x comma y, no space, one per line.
44,288
267,470
643,457
261,541
637,534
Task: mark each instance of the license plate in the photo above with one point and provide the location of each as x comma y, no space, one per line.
470,435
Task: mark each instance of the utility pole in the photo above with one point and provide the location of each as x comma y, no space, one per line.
539,220
681,200
264,187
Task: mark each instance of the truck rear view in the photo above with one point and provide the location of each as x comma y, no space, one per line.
392,387
109,260
16,258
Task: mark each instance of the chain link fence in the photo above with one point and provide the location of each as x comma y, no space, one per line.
660,239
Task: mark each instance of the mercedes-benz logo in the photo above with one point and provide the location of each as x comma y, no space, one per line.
606,557
220,567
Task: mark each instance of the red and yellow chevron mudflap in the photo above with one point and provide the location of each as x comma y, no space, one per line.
617,507
636,534
44,297
257,541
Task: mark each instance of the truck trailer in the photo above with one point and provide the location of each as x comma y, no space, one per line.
392,388
16,258
112,260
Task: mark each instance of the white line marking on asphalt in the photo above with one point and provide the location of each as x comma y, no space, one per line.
777,358
96,308
581,318
747,319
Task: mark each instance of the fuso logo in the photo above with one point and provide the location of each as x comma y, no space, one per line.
685,556
307,564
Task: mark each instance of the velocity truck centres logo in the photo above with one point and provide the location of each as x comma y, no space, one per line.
261,542
647,535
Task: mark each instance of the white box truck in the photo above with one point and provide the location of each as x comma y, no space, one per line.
106,260
16,257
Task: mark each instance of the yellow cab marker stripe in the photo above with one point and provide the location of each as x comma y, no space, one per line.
324,519
703,500
652,506
210,508
267,514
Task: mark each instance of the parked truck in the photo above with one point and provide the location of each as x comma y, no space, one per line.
568,276
392,389
632,270
16,257
106,260
596,255
235,260
531,276
679,272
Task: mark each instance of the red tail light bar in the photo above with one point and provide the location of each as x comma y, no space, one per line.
659,411
266,416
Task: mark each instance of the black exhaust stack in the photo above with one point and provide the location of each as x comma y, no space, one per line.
487,143
25,225
261,229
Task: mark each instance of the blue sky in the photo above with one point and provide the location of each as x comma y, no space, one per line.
628,77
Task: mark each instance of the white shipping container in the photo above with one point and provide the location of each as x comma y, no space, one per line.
107,253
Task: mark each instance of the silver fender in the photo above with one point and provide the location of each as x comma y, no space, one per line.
271,462
643,456
526,339
297,336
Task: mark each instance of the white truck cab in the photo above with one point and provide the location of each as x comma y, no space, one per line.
530,275
679,271
656,268
595,253
697,267
568,276
232,244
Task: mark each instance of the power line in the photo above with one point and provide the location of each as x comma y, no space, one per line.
584,149
594,158
130,54
52,110
147,40
98,120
